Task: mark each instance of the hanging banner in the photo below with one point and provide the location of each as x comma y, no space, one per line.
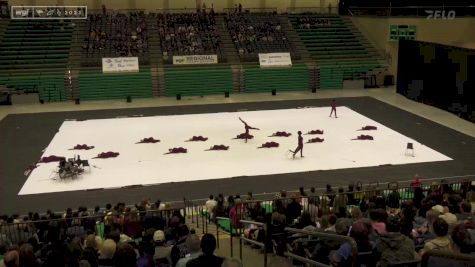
120,64
275,60
195,59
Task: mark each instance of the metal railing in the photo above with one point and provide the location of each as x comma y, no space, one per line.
313,10
251,10
245,239
446,257
322,235
230,233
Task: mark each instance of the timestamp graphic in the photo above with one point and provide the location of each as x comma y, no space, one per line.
48,12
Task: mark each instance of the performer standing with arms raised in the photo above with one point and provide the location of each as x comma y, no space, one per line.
247,128
299,146
333,108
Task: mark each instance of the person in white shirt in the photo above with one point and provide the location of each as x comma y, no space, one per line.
210,204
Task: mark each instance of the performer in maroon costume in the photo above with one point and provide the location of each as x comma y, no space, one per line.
333,108
281,134
247,128
218,147
315,132
363,137
269,145
176,150
197,138
299,147
368,128
315,140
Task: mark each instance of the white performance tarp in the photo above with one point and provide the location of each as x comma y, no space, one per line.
120,64
275,60
195,59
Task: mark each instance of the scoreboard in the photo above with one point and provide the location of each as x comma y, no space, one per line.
48,12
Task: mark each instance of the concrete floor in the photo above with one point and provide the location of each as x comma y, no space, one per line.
386,95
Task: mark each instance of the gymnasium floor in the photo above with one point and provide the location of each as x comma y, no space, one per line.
30,128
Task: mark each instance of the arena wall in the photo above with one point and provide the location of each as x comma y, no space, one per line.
219,5
457,32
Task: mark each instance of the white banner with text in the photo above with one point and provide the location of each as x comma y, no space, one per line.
120,64
275,60
195,59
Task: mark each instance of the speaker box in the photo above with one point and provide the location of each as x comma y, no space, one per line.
129,99
226,94
314,90
77,101
178,96
274,92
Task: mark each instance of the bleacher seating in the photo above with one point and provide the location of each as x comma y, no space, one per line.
254,33
338,53
192,81
33,57
95,85
293,78
188,34
115,35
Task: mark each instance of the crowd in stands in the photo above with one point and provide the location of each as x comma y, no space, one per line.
188,34
114,34
256,33
118,236
386,229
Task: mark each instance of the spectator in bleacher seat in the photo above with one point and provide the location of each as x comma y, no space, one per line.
146,252
125,256
278,217
441,241
106,253
463,238
465,214
329,224
351,195
28,257
208,259
393,199
11,259
180,249
193,243
359,232
162,252
340,203
293,210
378,217
393,247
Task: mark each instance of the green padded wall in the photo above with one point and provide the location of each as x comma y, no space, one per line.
293,78
192,81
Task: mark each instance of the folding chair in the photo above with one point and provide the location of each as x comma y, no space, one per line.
409,150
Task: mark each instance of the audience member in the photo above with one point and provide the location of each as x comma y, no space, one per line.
208,259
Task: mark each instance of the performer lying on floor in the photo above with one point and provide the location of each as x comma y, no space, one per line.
148,140
218,147
176,150
247,128
281,134
244,136
363,137
105,155
82,147
197,138
315,132
368,128
269,145
315,140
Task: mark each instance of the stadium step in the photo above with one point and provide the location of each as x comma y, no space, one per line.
293,36
230,51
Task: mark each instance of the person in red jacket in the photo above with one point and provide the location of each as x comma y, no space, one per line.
333,104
